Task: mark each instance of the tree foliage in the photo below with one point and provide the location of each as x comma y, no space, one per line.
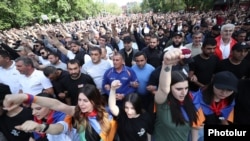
18,13
175,5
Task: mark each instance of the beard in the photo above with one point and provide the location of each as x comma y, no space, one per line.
176,45
75,75
45,57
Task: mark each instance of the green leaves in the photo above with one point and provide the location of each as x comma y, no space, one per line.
18,13
175,5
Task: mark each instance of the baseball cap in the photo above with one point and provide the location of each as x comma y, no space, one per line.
216,27
226,80
177,34
240,46
196,27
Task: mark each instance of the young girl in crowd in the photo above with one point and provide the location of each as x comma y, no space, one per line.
90,118
177,111
134,124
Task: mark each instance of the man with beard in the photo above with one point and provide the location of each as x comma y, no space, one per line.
153,53
236,63
128,52
177,39
43,59
56,62
74,81
203,67
162,38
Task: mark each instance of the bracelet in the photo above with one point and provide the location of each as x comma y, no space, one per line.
30,99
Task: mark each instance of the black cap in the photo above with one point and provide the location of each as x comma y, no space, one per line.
240,46
226,80
76,42
216,27
196,27
177,34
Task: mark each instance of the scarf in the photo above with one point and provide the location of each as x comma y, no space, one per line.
217,107
49,120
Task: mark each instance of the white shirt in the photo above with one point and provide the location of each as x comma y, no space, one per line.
71,55
172,47
96,71
65,135
225,49
35,83
121,45
60,65
10,77
43,61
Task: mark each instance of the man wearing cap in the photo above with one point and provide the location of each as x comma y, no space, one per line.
225,41
177,39
23,51
246,27
236,63
128,51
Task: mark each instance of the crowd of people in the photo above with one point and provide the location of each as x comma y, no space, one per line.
143,77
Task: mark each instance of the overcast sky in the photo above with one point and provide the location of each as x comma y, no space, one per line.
120,2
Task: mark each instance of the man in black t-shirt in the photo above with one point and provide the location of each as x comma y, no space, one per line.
236,63
75,80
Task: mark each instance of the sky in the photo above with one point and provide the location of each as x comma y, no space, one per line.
121,2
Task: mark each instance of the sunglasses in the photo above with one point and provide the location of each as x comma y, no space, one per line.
35,45
42,53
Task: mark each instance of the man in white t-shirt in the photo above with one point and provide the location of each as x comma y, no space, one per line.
32,81
8,73
96,67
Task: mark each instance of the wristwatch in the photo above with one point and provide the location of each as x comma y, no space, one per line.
44,127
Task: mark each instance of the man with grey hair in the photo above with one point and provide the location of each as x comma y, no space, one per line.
32,81
225,42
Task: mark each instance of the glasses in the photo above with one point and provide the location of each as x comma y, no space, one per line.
42,53
35,45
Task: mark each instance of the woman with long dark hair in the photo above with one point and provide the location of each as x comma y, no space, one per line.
134,124
178,112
